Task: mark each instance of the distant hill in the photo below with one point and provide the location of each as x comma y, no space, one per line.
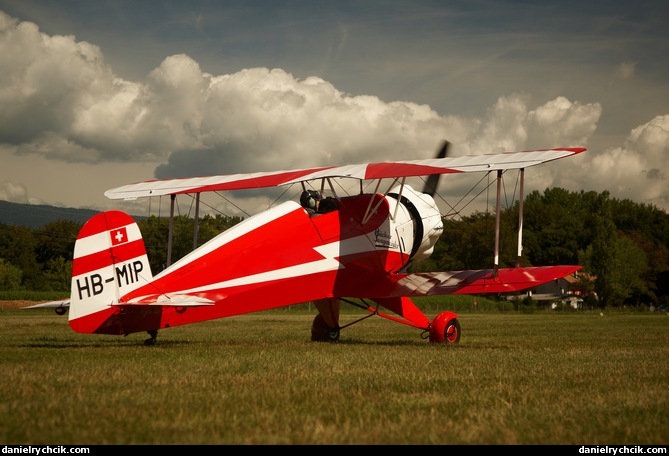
38,215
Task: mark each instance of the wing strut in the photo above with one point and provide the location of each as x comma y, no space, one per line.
370,211
173,197
399,198
497,217
520,219
196,220
196,226
520,216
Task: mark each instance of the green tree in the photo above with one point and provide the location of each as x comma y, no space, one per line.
648,227
17,245
616,261
552,225
57,274
155,234
632,269
56,240
10,276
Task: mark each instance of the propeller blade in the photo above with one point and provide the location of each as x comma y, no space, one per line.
433,179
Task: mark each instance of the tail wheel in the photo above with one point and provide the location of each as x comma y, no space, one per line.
445,328
321,332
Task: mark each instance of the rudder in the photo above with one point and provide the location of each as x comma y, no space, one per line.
109,261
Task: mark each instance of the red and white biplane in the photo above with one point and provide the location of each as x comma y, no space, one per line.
358,252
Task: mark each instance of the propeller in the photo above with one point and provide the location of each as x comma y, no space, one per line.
433,179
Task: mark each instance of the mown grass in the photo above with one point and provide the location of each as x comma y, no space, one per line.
541,378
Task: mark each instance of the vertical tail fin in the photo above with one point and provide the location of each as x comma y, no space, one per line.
109,261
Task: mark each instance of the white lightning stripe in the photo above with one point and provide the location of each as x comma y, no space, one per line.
330,253
346,247
314,267
326,264
175,300
329,263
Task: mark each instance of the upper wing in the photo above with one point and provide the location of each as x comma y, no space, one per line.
408,168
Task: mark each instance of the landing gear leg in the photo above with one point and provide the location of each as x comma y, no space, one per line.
151,340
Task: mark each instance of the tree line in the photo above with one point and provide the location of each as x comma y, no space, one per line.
40,259
622,244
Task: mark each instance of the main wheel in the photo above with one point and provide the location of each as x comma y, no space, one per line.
321,332
445,328
151,340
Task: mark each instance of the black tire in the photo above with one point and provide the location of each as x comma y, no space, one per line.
321,332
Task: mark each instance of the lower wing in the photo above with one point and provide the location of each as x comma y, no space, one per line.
478,281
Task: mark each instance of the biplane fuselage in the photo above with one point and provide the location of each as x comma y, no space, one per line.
295,257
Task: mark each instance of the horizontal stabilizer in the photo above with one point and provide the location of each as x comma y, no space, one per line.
50,304
183,300
480,281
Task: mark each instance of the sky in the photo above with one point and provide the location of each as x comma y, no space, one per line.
99,94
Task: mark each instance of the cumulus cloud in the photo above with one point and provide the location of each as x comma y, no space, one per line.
60,100
261,119
638,169
562,122
255,119
45,84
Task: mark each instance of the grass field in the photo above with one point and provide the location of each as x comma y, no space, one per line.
540,378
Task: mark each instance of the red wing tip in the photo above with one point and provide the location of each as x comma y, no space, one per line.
576,150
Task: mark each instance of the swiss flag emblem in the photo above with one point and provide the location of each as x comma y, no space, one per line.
118,236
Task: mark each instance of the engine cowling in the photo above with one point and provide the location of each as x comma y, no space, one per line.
418,222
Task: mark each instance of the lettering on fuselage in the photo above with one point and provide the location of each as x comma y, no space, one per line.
384,239
94,284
